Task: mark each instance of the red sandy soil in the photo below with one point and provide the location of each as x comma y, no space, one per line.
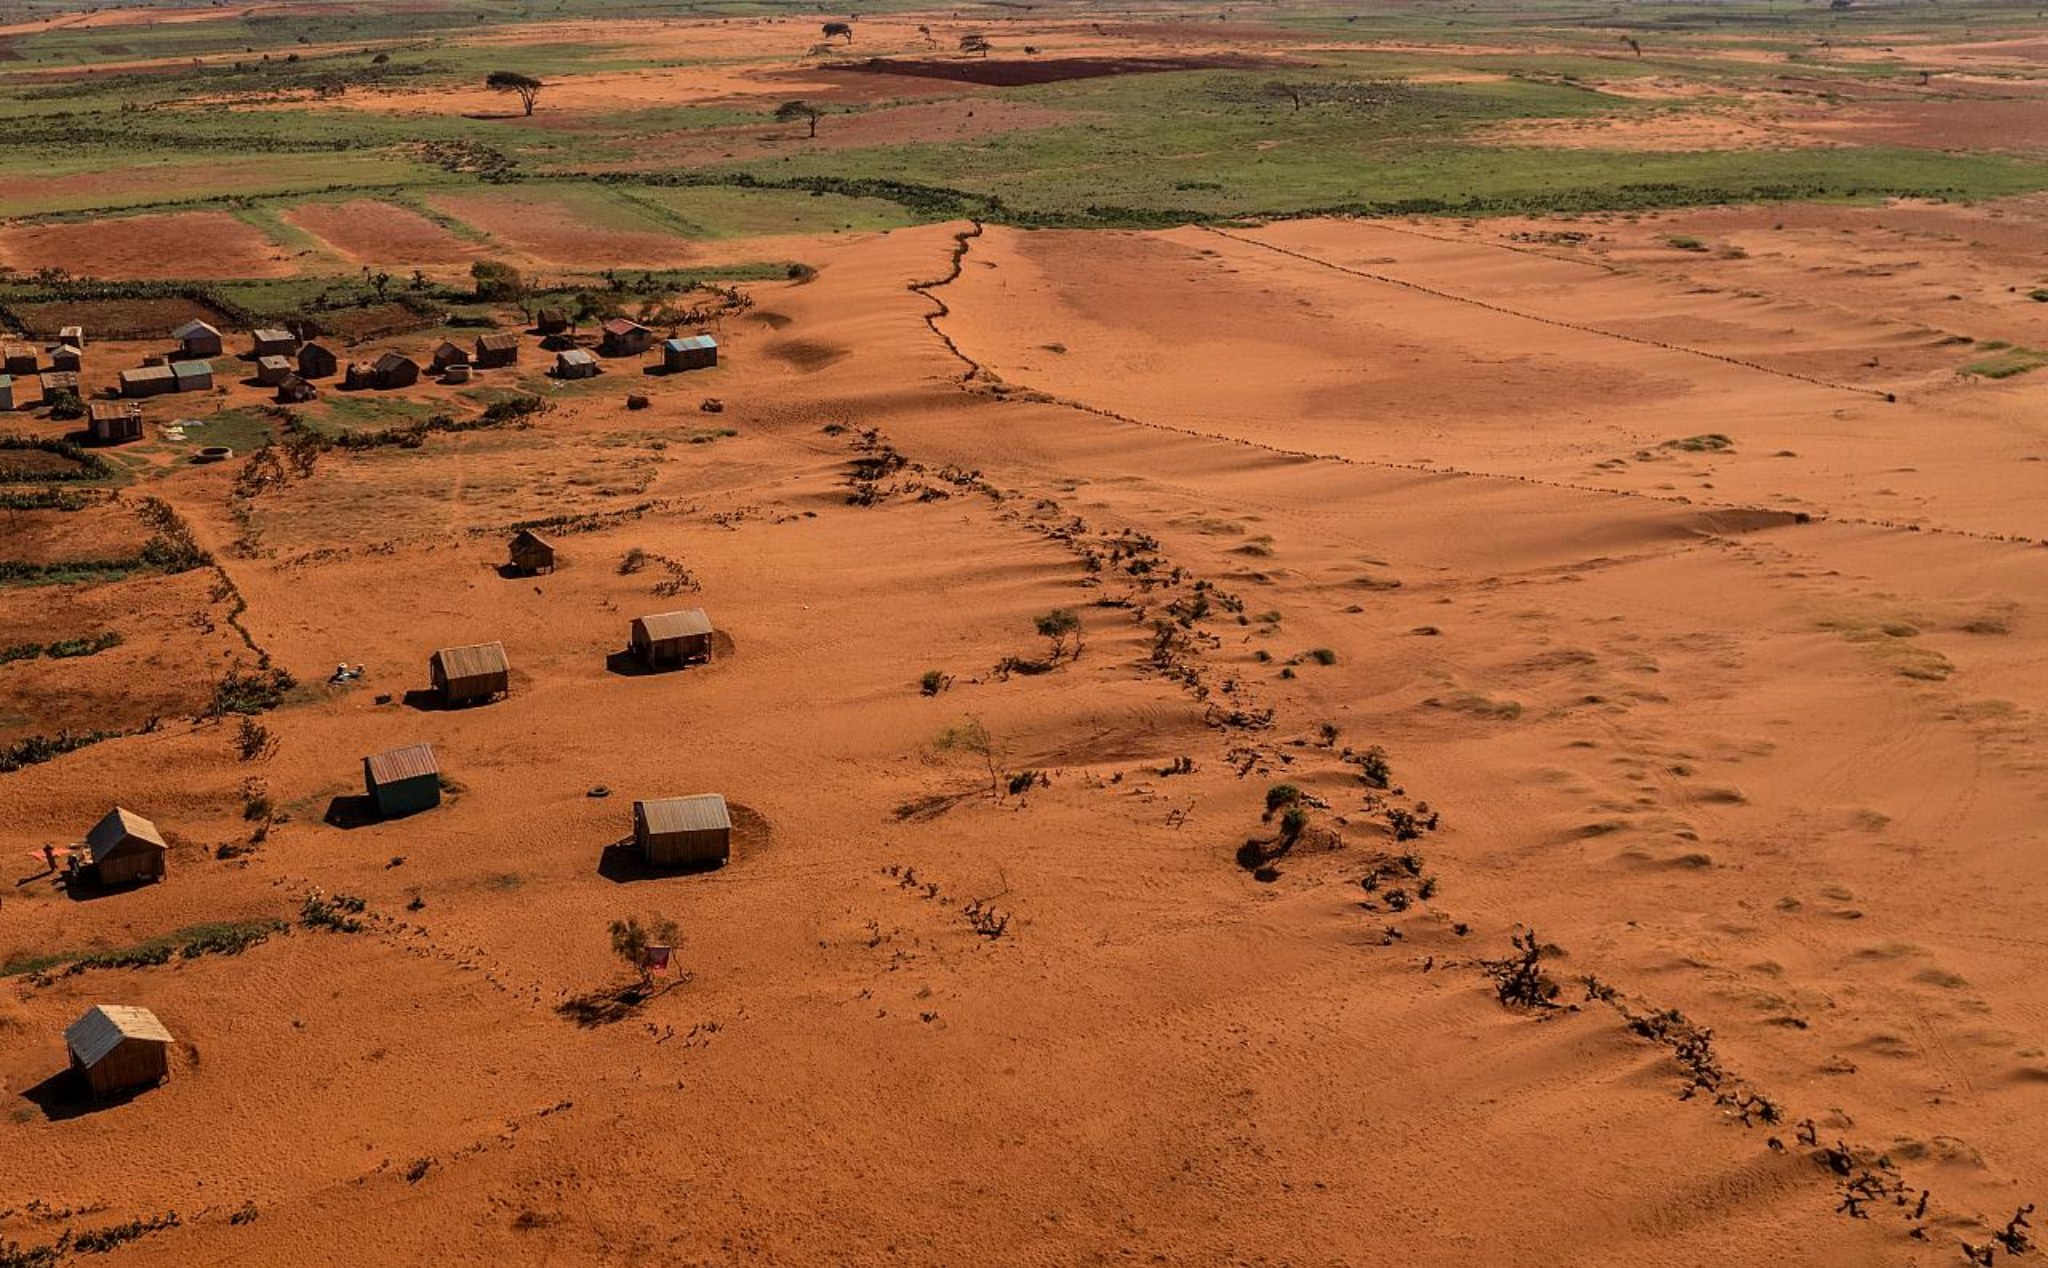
193,244
1780,776
367,231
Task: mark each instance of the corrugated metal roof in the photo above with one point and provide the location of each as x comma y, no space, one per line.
704,812
392,360
6,380
274,363
120,825
692,342
527,535
106,411
186,369
192,328
577,356
621,326
399,764
272,335
146,373
498,342
684,624
105,1026
473,661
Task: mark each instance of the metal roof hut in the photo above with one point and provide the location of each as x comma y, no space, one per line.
694,352
112,422
531,553
623,338
192,376
395,369
273,343
197,339
55,381
73,335
551,321
117,1047
125,848
576,363
450,353
19,359
296,391
6,391
150,380
317,361
496,351
682,831
477,672
67,357
273,370
403,781
666,640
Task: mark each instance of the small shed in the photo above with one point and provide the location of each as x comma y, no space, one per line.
551,321
125,848
666,640
150,380
55,381
192,376
531,553
623,338
19,359
73,335
450,353
496,351
296,391
67,357
112,422
395,369
317,361
477,672
681,831
576,363
693,352
197,339
403,781
6,391
119,1047
273,370
273,343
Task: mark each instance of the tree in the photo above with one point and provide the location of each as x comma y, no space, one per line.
791,111
1059,626
839,28
496,281
975,42
526,86
631,939
1280,90
1634,46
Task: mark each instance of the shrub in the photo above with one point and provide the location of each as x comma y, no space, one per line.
65,406
496,281
253,691
631,940
1062,628
336,914
1293,822
934,681
1322,656
633,561
1280,795
253,740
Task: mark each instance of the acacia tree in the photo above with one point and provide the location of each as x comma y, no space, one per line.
512,81
1281,90
1062,628
975,42
631,939
839,28
791,111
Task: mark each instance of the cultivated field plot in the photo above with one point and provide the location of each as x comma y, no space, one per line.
367,231
569,227
200,244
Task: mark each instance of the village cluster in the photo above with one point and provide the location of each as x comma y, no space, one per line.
292,366
118,1048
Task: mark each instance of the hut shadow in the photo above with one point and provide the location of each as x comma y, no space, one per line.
87,888
623,864
65,1096
628,664
351,811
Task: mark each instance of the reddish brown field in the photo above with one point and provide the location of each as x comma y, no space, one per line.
545,230
195,244
380,234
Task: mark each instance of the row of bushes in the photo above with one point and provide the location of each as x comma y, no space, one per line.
85,465
62,649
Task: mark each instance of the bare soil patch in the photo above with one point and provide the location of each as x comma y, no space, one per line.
194,244
370,231
114,318
551,231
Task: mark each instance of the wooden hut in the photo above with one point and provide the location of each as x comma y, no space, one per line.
192,376
403,781
73,335
66,357
125,848
551,321
197,339
623,338
531,553
317,361
449,353
6,391
667,640
273,343
496,351
55,381
19,359
296,391
112,422
273,370
150,380
576,363
395,369
682,831
477,672
694,352
118,1048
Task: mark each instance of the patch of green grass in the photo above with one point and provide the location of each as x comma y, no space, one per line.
218,937
2010,362
731,213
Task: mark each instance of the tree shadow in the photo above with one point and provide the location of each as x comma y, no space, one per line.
604,1007
351,811
64,1095
498,115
